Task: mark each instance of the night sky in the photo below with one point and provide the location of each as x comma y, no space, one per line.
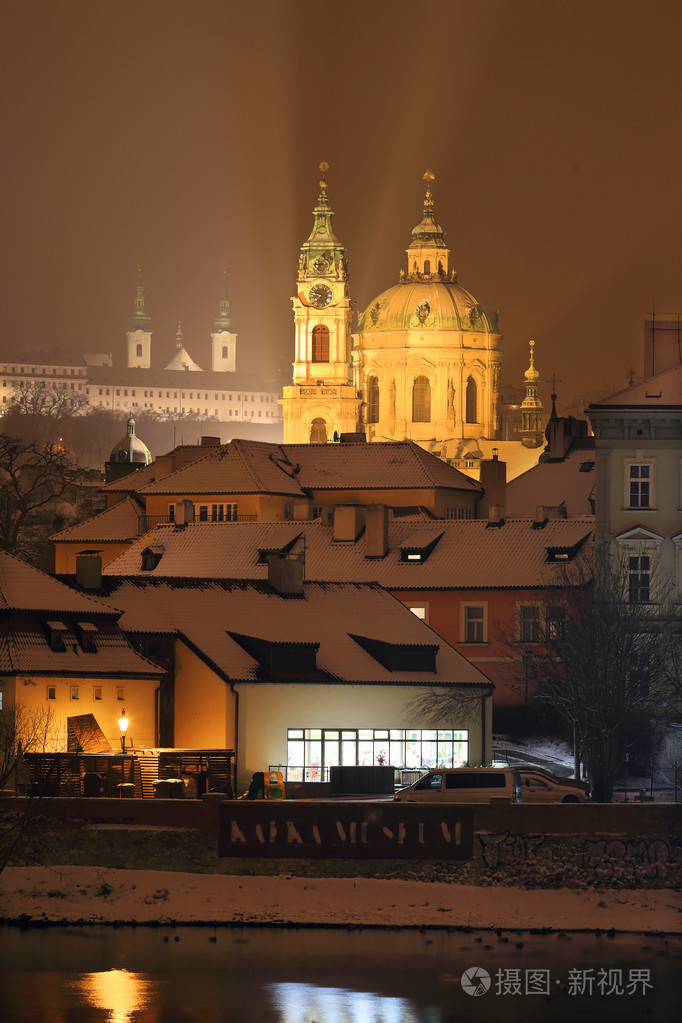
189,135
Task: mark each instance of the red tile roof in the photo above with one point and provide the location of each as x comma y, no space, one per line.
120,522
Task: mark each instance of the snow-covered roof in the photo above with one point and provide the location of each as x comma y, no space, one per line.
568,481
120,522
466,553
208,615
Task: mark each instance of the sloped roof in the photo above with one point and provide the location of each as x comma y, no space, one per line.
382,466
24,648
120,522
468,555
568,481
240,467
180,456
661,391
24,588
328,614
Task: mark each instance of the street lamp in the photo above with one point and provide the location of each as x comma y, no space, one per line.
123,725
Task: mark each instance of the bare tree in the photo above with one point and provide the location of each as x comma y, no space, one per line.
600,658
57,400
32,477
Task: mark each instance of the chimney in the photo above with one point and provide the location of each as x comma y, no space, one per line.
495,515
89,570
184,512
376,531
285,574
494,482
349,521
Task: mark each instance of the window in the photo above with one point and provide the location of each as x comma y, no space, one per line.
639,480
471,401
639,578
530,623
203,513
224,351
312,751
97,693
318,432
427,266
75,693
373,400
138,351
474,624
171,513
51,693
120,693
555,621
420,610
421,400
320,344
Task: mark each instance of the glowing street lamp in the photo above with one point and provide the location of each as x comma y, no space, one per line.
123,725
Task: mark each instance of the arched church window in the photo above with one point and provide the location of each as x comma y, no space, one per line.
139,351
421,400
373,400
427,266
224,351
318,431
472,401
440,267
321,344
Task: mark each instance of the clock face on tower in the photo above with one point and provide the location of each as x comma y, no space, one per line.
320,295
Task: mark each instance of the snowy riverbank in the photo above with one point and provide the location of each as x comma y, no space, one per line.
75,894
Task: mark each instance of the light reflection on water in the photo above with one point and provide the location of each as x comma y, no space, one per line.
119,992
206,975
306,1003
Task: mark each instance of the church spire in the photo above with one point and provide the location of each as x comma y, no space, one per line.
179,341
322,255
139,320
427,256
222,320
531,406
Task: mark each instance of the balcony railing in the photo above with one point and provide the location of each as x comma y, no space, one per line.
146,522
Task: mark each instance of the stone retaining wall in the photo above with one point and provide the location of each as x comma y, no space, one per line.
540,846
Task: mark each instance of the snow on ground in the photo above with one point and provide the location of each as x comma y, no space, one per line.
73,894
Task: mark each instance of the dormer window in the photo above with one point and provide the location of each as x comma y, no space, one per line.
417,657
55,635
278,657
418,546
151,556
87,635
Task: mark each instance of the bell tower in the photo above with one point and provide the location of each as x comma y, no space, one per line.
223,341
321,400
138,335
532,435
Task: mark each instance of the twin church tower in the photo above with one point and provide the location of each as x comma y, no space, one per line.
423,364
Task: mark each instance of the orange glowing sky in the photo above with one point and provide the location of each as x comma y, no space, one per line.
189,135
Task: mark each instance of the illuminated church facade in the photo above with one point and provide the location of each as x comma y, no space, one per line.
424,363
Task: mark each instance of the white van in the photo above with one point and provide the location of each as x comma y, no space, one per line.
464,785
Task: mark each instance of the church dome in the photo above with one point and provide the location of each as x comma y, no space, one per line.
427,305
131,448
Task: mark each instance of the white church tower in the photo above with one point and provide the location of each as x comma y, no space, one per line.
138,336
223,342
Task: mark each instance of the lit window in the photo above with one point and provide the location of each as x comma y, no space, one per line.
421,400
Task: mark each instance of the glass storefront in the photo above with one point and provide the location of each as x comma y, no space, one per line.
312,751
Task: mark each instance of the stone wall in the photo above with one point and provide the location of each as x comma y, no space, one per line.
542,846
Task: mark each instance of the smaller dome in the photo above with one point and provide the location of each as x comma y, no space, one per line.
131,448
531,373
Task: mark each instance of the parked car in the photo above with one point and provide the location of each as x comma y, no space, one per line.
464,785
540,786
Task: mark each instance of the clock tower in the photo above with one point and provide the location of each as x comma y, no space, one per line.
321,400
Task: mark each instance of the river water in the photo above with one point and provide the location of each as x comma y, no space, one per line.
312,975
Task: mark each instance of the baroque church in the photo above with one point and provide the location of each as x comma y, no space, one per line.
424,363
